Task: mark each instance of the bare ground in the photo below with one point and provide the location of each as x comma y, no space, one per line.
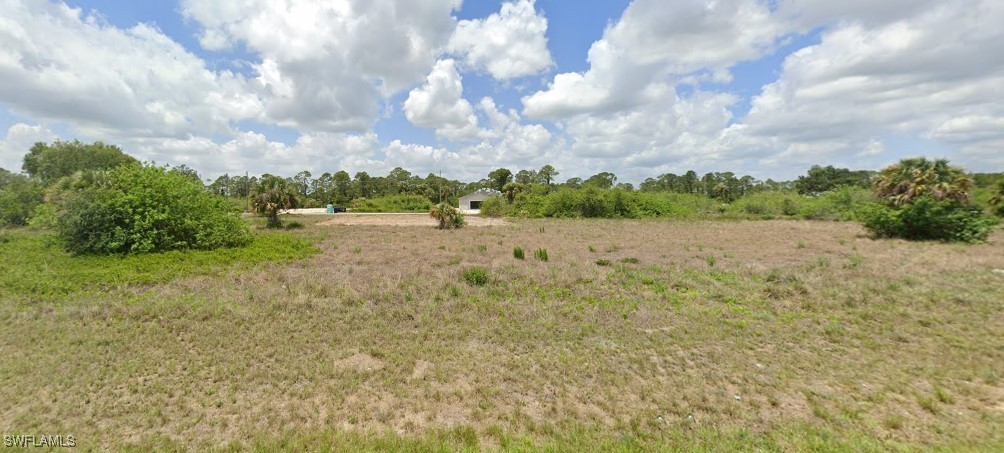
404,220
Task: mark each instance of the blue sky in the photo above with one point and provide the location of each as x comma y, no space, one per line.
638,88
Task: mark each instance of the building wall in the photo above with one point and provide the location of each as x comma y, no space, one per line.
465,201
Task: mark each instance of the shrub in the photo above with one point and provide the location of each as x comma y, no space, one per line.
137,209
518,253
448,216
393,203
603,262
294,225
494,206
789,207
540,254
930,219
19,197
477,275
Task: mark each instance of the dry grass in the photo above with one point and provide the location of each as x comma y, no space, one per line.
774,330
421,219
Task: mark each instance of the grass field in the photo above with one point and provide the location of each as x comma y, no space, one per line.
631,335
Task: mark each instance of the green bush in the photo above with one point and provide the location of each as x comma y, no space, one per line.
495,206
393,203
477,275
447,216
138,209
929,219
19,198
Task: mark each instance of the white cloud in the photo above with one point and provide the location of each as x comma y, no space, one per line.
440,104
655,42
508,44
937,74
59,64
326,65
18,141
255,153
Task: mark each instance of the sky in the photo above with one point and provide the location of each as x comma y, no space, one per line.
459,88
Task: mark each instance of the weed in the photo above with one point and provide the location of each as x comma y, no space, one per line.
592,249
800,245
854,261
630,260
711,261
540,254
603,262
482,248
518,253
477,275
294,225
357,250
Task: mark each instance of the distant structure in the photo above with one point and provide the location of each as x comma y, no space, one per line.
471,203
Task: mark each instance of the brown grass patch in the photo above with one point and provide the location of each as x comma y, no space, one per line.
898,340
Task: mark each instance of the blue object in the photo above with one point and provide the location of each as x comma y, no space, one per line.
331,209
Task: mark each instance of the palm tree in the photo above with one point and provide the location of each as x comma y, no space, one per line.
904,182
271,195
448,216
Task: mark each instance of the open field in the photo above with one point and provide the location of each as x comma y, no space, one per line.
775,335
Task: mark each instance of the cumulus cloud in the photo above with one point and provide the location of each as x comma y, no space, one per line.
937,74
57,63
440,104
326,65
255,153
507,44
655,42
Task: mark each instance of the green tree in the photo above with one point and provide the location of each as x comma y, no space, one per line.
342,187
512,189
499,178
51,162
903,182
526,177
19,196
274,194
824,179
188,172
602,180
302,183
547,174
362,185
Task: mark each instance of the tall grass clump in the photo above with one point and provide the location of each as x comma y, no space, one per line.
518,253
540,254
477,275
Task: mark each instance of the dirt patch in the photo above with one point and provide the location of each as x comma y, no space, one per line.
360,363
404,220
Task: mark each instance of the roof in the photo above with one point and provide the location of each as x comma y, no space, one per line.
484,192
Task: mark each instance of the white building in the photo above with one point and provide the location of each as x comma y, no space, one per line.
471,203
